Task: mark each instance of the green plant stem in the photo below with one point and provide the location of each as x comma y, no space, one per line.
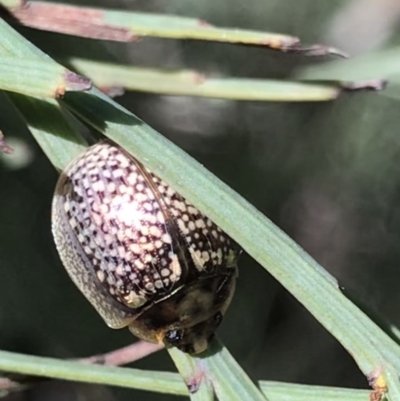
281,256
192,83
125,25
162,382
199,385
38,78
318,291
55,135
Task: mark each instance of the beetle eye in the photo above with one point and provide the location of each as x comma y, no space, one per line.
173,336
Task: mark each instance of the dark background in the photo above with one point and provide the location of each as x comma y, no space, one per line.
327,173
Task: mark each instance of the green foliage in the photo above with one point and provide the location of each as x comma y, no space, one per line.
53,123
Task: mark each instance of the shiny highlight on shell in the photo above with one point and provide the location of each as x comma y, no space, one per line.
140,253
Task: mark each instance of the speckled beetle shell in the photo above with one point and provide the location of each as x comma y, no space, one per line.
140,253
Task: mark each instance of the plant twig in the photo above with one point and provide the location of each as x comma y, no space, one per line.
162,382
315,288
46,78
125,26
193,83
123,356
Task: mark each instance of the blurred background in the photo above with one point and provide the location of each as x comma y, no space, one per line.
326,173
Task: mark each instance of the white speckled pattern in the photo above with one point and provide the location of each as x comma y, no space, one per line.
126,238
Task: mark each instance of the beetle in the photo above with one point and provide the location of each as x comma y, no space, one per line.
142,255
